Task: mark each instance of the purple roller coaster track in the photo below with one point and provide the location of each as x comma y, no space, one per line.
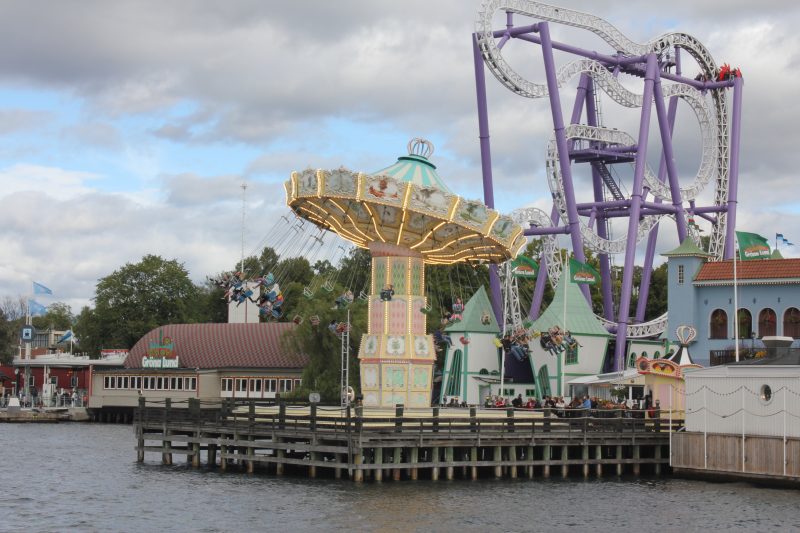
586,140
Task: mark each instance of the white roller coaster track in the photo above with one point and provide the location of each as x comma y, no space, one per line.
713,124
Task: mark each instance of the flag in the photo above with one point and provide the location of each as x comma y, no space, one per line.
779,236
65,337
582,273
36,309
787,243
38,288
752,246
524,267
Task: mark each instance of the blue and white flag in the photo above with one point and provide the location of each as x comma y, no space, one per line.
65,337
38,288
779,236
36,309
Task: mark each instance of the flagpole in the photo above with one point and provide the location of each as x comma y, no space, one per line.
566,279
735,296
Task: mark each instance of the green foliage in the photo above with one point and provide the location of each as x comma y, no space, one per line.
7,344
134,300
322,346
58,317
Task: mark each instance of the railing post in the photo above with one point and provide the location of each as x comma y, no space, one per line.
436,420
359,417
282,415
313,413
398,423
510,417
473,422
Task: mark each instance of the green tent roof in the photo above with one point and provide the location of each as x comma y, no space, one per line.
687,249
415,167
580,318
776,254
474,310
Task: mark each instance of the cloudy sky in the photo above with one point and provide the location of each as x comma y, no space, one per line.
126,128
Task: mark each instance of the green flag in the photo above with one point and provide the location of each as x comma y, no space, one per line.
582,273
524,267
752,246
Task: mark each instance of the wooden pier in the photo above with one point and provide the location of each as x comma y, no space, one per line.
424,444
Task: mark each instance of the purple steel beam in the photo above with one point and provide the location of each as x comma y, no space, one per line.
733,172
486,166
650,252
538,293
669,155
710,209
600,219
563,149
633,224
541,280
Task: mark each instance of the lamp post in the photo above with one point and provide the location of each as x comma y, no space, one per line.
752,344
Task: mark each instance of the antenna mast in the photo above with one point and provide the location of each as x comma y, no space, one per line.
244,205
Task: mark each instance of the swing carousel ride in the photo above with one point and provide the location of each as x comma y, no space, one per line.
406,217
589,208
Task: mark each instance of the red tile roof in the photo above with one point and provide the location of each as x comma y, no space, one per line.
224,346
751,270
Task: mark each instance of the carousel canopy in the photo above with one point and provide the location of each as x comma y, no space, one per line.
408,205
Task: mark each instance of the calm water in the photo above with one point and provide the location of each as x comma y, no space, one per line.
84,477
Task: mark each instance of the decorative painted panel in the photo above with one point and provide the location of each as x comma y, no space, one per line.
376,314
391,398
369,377
399,269
396,346
422,348
378,274
420,377
382,189
398,315
418,399
370,345
416,278
340,182
307,183
394,377
372,398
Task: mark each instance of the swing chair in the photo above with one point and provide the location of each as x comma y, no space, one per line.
297,319
314,319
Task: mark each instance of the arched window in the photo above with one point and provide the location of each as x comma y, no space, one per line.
791,322
745,324
632,359
544,381
718,329
767,323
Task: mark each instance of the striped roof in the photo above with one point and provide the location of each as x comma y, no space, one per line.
414,168
209,346
752,270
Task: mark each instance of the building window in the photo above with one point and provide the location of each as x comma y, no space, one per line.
270,385
767,323
297,383
106,382
192,383
173,383
125,382
791,322
227,385
571,354
146,383
718,327
241,385
632,360
745,324
286,385
119,382
509,392
160,383
530,393
680,275
255,385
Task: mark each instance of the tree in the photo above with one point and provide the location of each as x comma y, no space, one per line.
135,299
6,339
323,347
59,317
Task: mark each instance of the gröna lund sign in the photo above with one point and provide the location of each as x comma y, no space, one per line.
161,353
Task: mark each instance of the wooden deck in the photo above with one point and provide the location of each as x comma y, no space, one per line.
367,444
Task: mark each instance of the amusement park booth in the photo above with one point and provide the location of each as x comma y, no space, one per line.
554,368
203,361
701,293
